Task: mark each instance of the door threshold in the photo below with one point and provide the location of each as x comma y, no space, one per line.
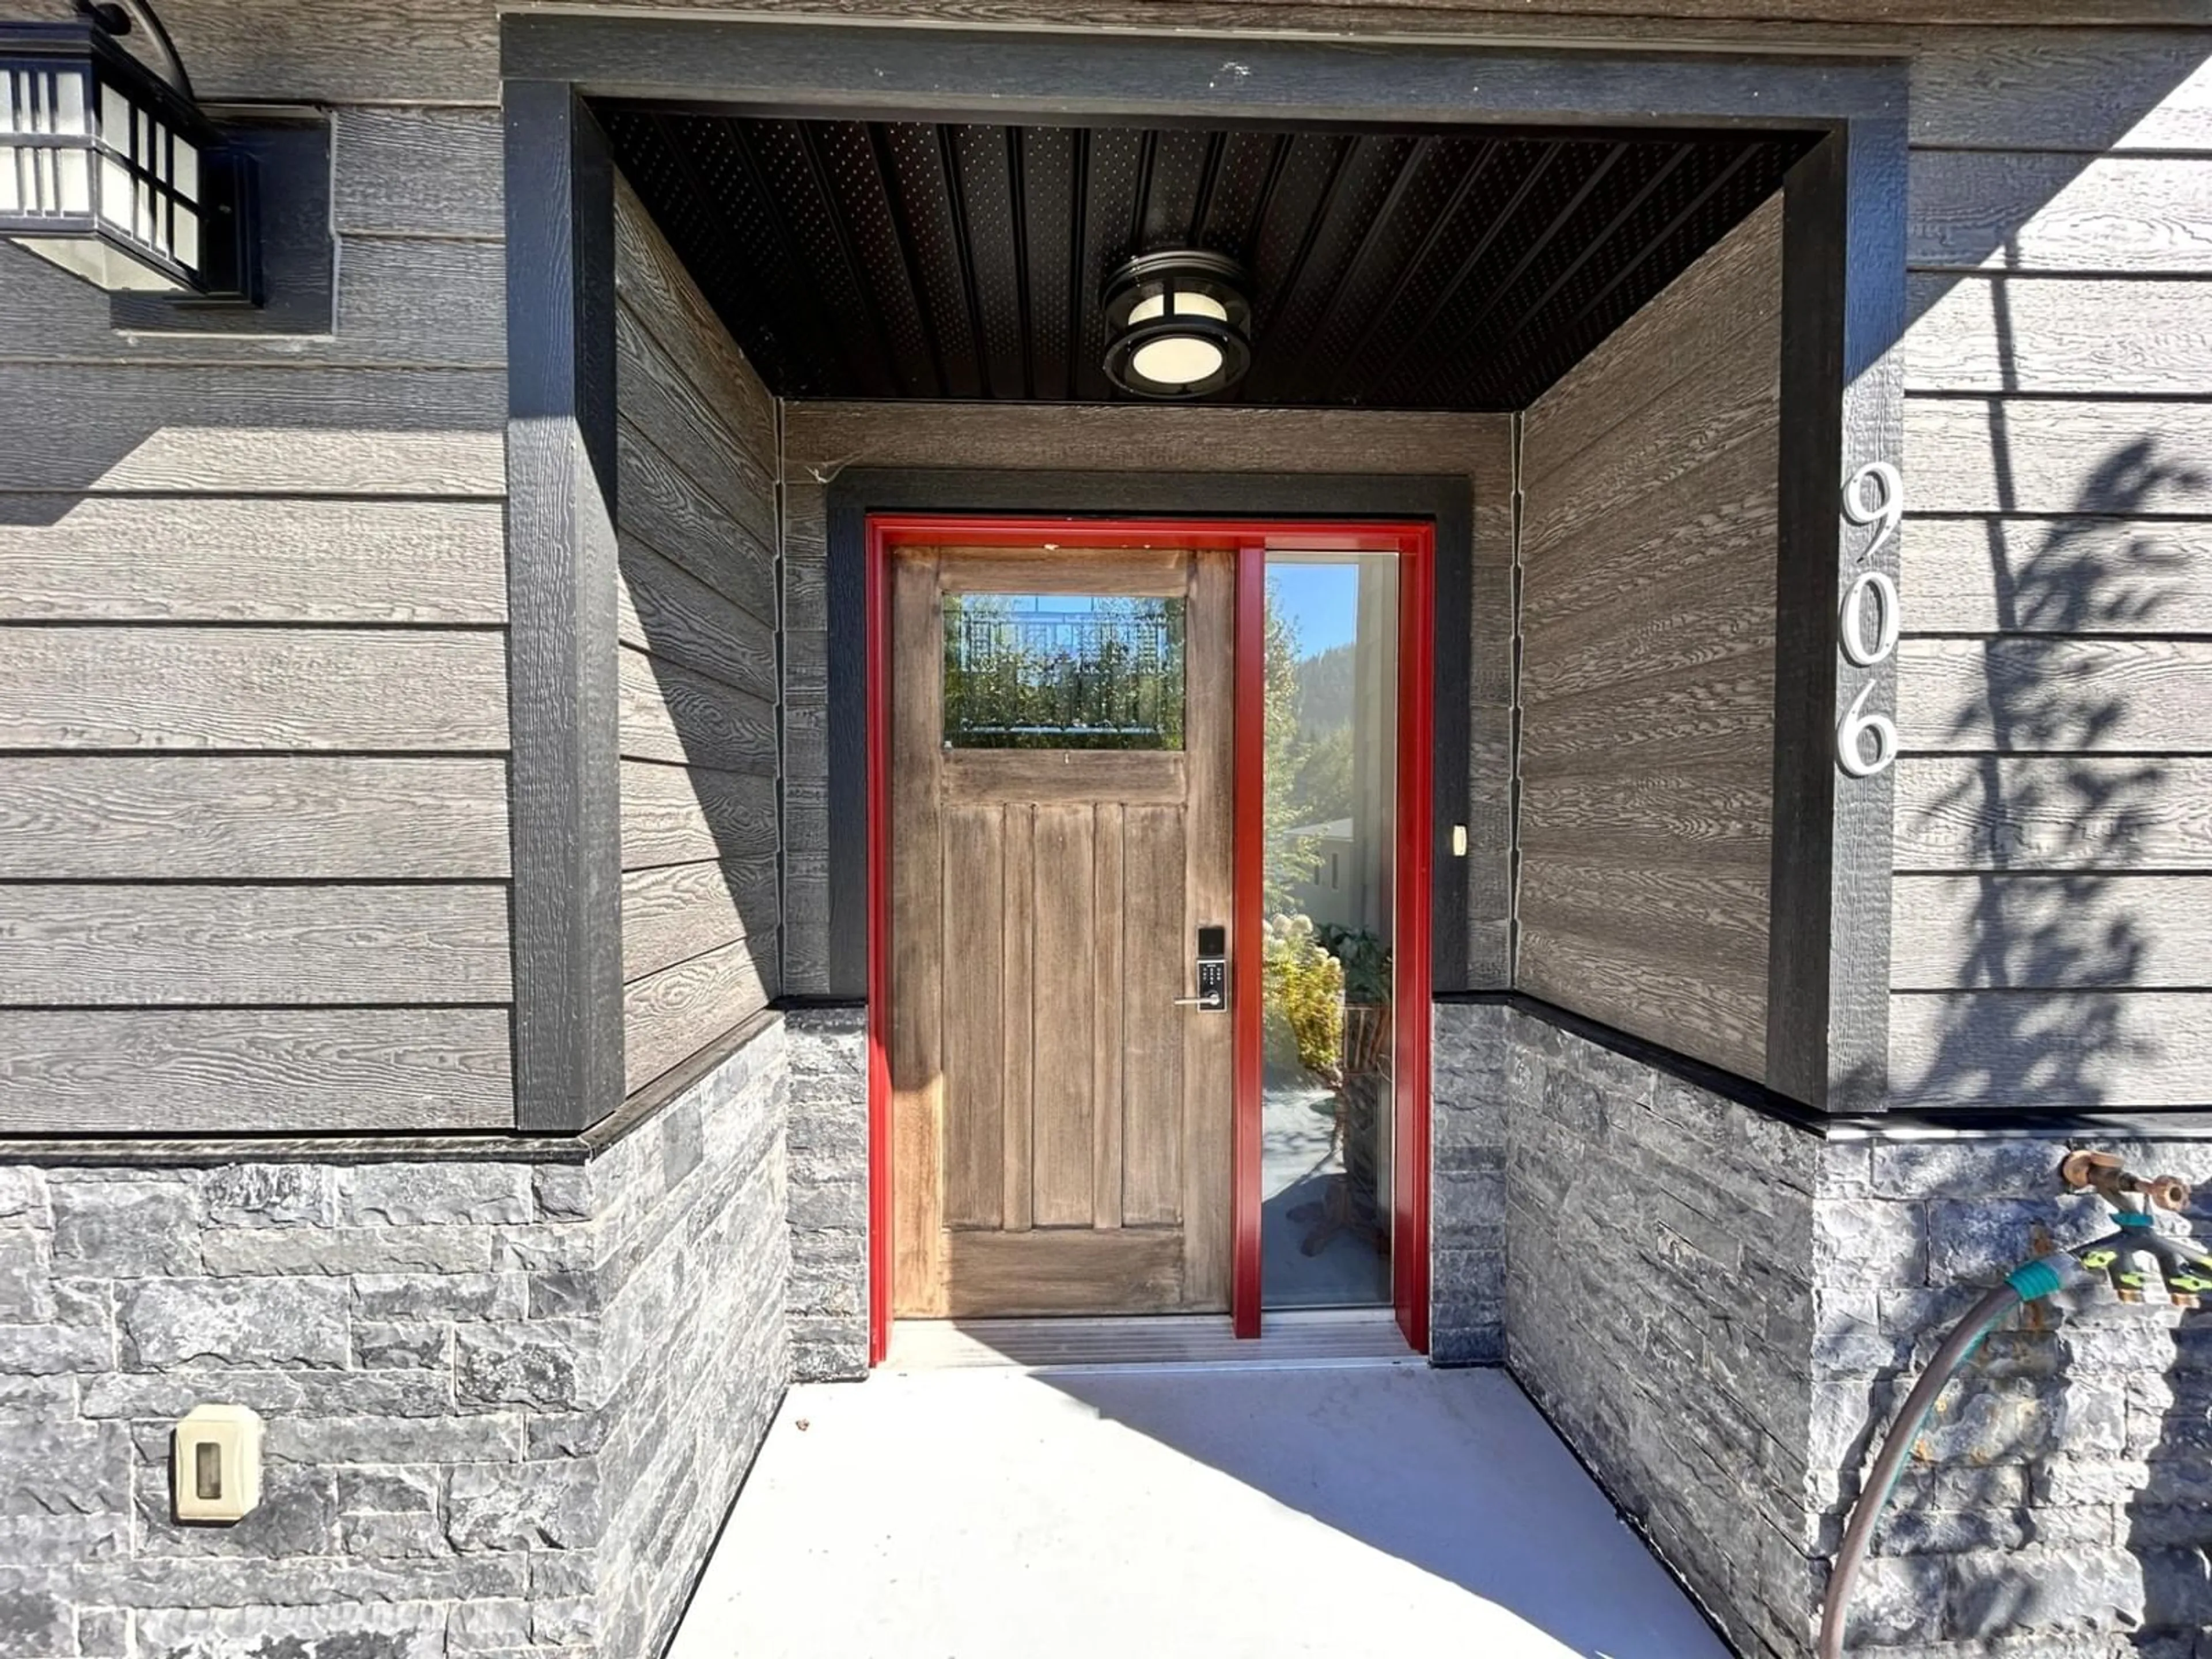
1321,1336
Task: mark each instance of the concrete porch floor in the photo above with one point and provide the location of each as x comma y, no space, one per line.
1161,1512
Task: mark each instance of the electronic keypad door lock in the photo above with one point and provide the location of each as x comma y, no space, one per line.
1211,967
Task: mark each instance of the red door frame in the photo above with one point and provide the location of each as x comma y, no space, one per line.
1251,541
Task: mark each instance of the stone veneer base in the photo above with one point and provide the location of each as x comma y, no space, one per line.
508,1403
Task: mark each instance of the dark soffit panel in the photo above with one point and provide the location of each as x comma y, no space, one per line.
1451,269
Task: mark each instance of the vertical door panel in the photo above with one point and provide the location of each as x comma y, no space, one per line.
1060,1096
974,1021
1153,930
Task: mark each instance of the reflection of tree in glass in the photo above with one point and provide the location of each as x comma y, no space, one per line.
1290,859
1063,672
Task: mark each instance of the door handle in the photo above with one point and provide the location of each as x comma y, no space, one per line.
1195,1002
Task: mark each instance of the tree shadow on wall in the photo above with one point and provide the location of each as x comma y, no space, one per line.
2043,823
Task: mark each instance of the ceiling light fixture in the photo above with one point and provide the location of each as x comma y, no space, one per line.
1178,324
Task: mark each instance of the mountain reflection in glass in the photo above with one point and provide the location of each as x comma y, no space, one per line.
1059,671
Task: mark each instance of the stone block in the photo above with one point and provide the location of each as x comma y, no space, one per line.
382,1295
546,1364
418,1345
123,1229
267,1195
389,1631
523,1506
329,1440
434,1194
77,1336
390,1490
62,1466
1857,1242
478,1627
36,1625
103,1632
1980,1240
335,1250
23,1195
1968,1170
27,1292
2043,1590
393,1537
276,1322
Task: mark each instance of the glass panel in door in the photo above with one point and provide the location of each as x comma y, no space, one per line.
1328,1088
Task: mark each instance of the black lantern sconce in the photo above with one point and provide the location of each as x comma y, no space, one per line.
112,172
1178,324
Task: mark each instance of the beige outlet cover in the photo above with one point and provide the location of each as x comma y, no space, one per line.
215,1463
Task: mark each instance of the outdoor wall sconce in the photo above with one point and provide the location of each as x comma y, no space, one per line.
1178,324
111,171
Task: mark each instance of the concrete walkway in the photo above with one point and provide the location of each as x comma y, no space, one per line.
1356,1510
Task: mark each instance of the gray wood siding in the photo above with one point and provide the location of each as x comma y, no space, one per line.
1649,481
820,439
697,508
2052,915
253,791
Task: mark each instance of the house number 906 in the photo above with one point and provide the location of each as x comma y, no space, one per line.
1867,744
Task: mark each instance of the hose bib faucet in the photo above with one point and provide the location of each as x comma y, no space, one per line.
2121,1256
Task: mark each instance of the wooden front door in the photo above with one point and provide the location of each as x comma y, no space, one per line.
1061,1127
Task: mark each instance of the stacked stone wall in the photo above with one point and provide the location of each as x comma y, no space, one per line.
829,1193
1721,1310
507,1401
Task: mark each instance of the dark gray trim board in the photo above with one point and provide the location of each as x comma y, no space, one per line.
562,588
2085,1129
1843,404
854,69
1448,502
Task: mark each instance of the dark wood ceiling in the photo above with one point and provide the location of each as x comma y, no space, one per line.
1449,269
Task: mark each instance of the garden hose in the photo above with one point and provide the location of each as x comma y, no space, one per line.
2185,1268
2027,1283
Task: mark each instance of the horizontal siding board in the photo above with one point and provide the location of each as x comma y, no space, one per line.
2010,211
670,1016
1711,327
1714,709
2027,455
669,613
671,714
254,1070
2051,1050
2043,334
686,815
104,945
658,400
256,687
357,51
681,911
142,428
653,286
251,818
1721,813
2058,813
2025,695
251,559
401,302
2057,575
2096,90
2088,932
663,508
422,172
